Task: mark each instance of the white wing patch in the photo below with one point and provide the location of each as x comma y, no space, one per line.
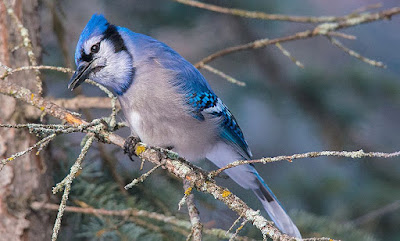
217,108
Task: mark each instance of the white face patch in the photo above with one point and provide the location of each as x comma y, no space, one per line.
89,43
110,68
117,68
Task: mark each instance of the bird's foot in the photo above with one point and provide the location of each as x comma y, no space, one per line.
129,146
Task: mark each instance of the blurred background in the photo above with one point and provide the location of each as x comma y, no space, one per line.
336,102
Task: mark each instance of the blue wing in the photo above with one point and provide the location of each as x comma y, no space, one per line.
207,103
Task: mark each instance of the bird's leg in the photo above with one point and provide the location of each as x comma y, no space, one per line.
129,146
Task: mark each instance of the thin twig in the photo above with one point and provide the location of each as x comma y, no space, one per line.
350,154
36,68
38,144
353,53
259,15
342,35
223,75
43,67
233,237
366,8
287,53
234,223
142,177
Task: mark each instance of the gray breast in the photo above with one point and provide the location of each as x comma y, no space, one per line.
160,116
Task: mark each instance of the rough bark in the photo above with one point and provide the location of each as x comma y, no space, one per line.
27,178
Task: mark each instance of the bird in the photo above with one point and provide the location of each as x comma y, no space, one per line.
168,103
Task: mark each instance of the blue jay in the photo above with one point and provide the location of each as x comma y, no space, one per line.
168,103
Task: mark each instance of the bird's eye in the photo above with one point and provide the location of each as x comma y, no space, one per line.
95,48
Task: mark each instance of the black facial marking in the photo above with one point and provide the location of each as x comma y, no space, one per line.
85,57
112,34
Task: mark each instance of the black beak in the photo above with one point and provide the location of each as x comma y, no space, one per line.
80,75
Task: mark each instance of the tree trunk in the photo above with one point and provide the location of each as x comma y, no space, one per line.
27,178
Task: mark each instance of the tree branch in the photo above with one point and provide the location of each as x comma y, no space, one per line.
322,29
259,15
25,95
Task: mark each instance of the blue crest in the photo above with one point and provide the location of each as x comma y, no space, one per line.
97,25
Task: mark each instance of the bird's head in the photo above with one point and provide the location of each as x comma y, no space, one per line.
102,56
